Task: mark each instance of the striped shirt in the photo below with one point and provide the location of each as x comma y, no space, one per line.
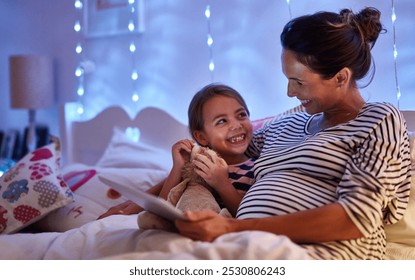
241,176
363,164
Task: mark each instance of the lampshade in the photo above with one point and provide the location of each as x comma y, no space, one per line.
31,82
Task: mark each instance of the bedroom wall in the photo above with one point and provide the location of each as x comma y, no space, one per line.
172,55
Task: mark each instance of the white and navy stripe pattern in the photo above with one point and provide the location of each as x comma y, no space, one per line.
363,164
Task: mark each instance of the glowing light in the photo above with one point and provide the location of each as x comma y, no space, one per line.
395,54
207,11
80,109
210,40
78,4
132,47
77,26
131,26
78,48
135,97
393,15
80,91
211,66
79,71
131,2
134,75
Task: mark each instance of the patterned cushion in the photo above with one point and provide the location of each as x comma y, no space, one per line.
32,188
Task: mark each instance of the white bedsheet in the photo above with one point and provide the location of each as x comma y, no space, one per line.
117,237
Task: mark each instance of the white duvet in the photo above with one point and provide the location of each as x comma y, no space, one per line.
117,237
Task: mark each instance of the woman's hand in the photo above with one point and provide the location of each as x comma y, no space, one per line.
126,208
204,225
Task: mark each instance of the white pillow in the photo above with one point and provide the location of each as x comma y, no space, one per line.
92,197
404,231
122,152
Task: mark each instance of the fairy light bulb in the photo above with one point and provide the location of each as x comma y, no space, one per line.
77,26
80,109
132,47
78,4
131,26
79,71
78,48
134,75
135,97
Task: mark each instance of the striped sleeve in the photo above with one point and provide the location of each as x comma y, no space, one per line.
375,186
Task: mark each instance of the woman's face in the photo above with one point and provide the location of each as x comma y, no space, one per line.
314,93
227,128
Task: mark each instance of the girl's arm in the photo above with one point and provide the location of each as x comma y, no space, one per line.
181,154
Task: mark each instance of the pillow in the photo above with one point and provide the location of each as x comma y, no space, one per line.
92,197
32,188
404,231
122,152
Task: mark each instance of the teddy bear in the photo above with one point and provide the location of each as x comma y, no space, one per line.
191,194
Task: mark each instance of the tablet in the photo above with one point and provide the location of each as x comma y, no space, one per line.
148,201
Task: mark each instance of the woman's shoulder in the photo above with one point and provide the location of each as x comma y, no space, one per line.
378,112
384,108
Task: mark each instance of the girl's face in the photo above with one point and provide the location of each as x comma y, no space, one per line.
314,93
227,128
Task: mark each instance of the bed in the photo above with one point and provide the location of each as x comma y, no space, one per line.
136,153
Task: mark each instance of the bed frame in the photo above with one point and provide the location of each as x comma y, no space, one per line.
84,141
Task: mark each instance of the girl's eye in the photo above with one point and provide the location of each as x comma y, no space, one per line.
221,121
243,115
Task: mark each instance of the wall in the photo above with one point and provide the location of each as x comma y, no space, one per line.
172,55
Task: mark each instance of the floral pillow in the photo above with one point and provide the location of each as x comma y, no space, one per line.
32,188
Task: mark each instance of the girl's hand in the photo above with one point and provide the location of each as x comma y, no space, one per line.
214,171
181,152
126,208
204,225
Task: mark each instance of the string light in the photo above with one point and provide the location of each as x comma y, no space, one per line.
79,71
395,54
289,9
209,42
134,73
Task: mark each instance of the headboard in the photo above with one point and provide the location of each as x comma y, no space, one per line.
410,119
85,141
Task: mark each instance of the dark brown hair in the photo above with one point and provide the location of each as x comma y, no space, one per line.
327,42
195,111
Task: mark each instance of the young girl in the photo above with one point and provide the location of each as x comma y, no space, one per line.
218,119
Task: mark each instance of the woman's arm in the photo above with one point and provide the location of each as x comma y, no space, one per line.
322,224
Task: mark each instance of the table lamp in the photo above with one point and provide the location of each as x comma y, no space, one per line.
31,87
